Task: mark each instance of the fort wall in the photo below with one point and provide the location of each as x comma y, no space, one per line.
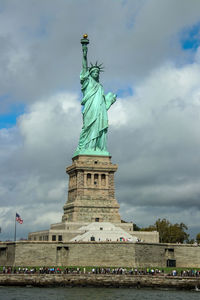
105,254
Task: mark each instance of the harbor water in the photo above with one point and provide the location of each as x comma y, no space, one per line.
87,293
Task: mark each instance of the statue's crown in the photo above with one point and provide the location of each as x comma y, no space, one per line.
96,66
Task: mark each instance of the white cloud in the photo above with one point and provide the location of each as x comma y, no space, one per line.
157,148
33,180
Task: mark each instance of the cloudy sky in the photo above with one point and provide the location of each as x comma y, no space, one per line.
151,53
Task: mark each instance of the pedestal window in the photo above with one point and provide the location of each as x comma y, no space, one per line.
103,179
96,179
89,176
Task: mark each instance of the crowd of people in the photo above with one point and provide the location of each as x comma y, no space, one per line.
99,270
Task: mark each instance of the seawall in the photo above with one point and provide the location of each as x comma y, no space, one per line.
103,280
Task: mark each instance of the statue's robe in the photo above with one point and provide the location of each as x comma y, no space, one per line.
95,118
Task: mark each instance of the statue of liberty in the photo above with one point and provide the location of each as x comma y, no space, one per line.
93,137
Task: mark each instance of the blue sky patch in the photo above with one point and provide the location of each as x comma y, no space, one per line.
9,120
125,92
190,37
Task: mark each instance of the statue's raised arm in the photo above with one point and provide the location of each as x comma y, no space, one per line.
93,137
84,42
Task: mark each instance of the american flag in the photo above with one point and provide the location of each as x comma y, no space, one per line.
18,218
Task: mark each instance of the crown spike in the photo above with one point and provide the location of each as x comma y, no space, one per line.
99,67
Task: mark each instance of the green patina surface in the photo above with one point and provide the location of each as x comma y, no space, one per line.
93,137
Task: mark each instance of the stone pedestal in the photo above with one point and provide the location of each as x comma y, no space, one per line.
91,199
91,191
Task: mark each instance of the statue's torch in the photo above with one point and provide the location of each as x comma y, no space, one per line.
84,40
84,43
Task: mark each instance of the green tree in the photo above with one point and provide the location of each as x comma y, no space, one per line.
177,233
136,228
169,233
198,238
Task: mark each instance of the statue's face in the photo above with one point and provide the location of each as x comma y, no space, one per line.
95,74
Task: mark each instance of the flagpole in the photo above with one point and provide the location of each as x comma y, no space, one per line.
15,229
